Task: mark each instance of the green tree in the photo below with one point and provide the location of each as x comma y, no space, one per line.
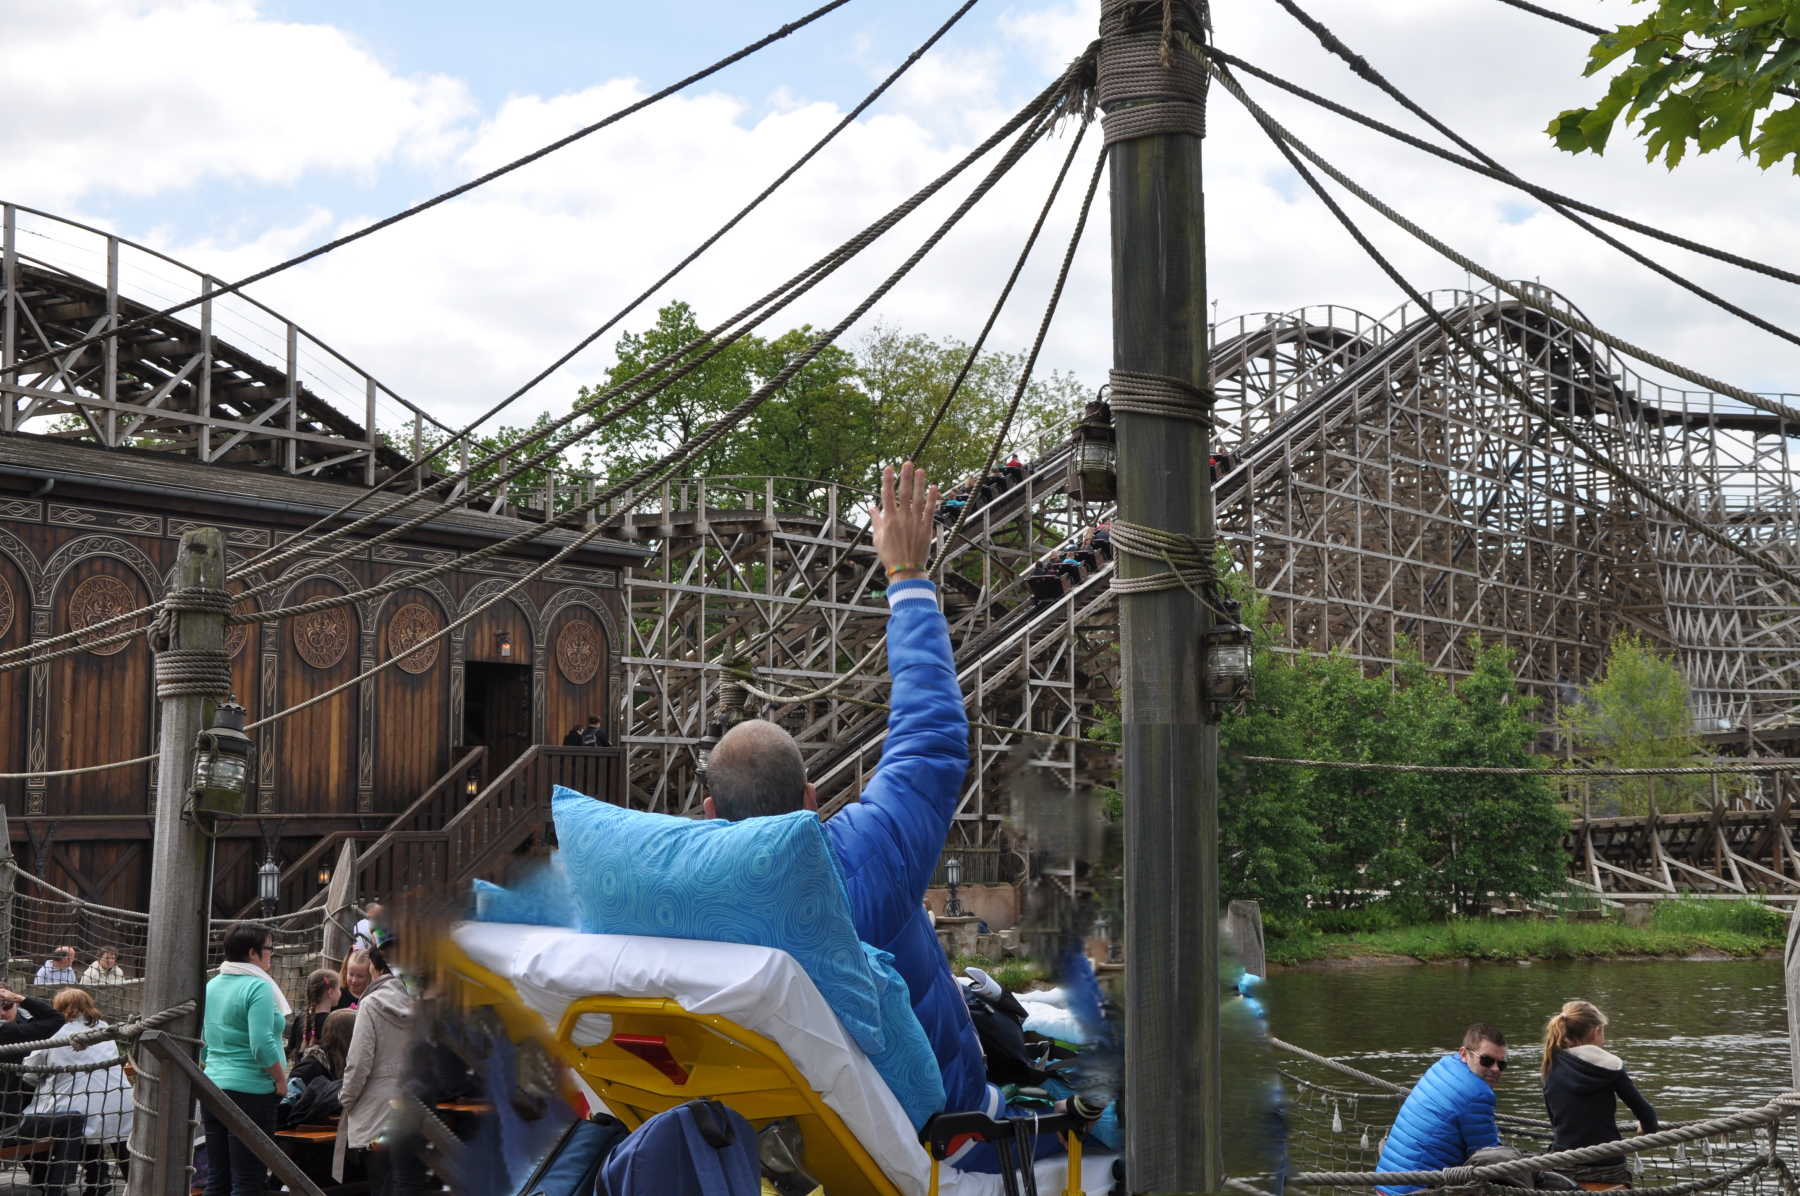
1636,715
1699,72
1475,835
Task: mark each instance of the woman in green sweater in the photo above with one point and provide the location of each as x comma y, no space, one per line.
245,1016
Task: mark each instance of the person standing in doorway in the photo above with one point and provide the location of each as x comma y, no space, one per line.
245,1014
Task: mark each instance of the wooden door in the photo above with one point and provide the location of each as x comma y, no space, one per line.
412,702
101,702
497,711
316,748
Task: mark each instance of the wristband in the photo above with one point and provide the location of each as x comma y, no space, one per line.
893,569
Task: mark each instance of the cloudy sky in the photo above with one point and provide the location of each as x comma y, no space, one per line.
230,134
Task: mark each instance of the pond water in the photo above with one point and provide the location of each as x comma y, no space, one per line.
1699,1038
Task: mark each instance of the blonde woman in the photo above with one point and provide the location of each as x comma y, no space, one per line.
1583,1083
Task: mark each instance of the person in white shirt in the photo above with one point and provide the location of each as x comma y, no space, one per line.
101,1096
58,969
105,969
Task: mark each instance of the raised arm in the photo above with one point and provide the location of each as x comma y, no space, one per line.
889,842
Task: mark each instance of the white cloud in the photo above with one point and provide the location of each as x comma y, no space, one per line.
150,97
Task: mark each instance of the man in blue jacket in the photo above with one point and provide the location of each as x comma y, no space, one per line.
1450,1113
889,842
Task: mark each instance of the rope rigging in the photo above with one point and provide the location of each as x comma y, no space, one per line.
436,200
1499,176
417,470
1361,67
1047,106
1504,380
1046,109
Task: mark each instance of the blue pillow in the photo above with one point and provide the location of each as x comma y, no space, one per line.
906,1062
543,898
765,882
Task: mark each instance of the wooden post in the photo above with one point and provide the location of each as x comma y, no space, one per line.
180,889
340,917
1172,1081
1793,992
6,899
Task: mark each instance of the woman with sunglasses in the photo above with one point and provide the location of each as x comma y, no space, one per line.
1583,1083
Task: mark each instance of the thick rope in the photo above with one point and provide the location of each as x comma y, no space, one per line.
1345,1068
124,1032
1034,113
457,437
1158,394
1499,176
1779,1107
1473,770
445,197
1037,345
1145,85
1189,560
1624,477
1361,66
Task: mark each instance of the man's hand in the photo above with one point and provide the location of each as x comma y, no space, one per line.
902,524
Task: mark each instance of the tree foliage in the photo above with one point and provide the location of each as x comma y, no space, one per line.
1636,715
844,416
1293,837
1703,73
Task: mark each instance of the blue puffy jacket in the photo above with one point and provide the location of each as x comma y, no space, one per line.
889,842
1448,1117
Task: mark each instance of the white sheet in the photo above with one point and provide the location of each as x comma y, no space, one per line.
759,988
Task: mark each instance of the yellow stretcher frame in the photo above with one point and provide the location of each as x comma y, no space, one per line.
721,1060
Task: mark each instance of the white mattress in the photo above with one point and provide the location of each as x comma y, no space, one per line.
759,988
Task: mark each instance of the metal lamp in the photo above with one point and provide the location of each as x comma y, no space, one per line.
732,699
1226,678
324,875
268,885
471,786
505,645
222,757
1096,454
953,908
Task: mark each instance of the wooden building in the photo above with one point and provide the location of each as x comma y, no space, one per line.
107,456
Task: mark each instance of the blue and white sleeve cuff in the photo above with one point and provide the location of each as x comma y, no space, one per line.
913,589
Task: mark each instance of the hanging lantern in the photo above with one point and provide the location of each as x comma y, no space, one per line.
222,757
1226,677
505,645
324,876
732,711
268,885
471,786
1096,454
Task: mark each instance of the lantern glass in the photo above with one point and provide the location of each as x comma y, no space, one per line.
471,786
953,871
1097,467
1227,672
505,646
324,876
268,880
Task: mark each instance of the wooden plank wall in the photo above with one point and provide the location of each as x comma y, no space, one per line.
347,764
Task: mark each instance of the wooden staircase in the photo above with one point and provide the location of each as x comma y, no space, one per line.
509,814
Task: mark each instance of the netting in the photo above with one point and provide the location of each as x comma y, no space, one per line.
1338,1124
39,918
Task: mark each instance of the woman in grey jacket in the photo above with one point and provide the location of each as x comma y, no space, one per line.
373,1072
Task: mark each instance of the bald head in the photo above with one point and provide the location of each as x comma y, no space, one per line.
756,770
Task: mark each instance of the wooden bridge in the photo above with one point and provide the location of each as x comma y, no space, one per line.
1743,844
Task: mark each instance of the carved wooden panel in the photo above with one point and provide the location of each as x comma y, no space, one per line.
412,624
321,637
578,651
96,600
6,607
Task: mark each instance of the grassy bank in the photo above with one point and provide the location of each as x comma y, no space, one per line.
1678,928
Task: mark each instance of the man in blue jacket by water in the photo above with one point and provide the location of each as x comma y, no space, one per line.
1450,1112
889,841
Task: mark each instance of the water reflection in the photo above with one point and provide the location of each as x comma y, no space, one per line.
1699,1038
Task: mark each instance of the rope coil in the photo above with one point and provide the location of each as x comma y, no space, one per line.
1158,394
193,673
1148,80
1189,558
